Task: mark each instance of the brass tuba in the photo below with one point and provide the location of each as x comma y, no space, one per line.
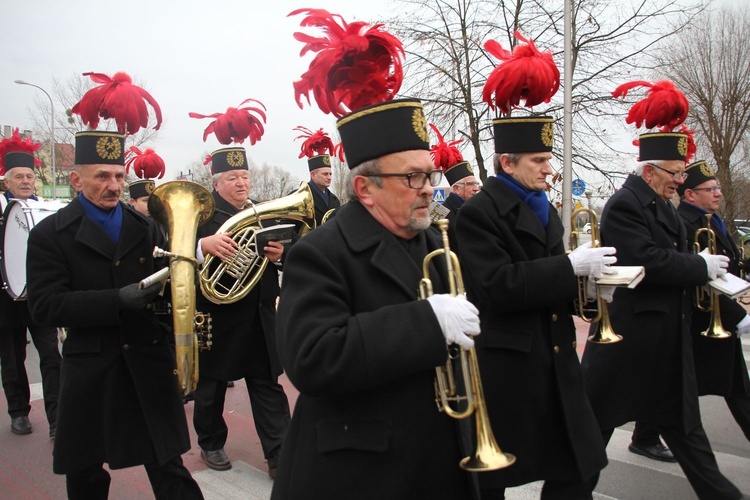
182,206
487,456
604,333
233,278
707,300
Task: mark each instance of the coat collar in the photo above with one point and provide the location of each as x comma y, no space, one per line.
362,233
91,235
665,214
695,217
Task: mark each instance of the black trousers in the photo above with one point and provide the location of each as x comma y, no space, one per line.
645,434
169,481
13,370
269,404
693,453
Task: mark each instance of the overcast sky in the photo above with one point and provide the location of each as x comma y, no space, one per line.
201,56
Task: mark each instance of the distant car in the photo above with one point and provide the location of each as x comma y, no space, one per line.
587,228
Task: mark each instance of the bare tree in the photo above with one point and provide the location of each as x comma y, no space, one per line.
271,182
340,175
711,64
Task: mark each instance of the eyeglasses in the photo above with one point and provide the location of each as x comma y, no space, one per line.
416,180
712,189
468,183
678,176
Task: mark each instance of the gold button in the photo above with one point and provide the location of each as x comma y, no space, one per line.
149,306
117,264
554,317
556,349
142,260
125,347
156,342
574,344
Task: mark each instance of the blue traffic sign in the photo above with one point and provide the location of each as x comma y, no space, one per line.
579,187
438,194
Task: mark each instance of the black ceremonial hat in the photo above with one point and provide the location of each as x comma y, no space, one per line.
95,147
382,129
526,134
698,173
319,161
662,146
458,172
18,159
141,188
226,159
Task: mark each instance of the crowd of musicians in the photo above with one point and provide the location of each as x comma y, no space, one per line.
352,327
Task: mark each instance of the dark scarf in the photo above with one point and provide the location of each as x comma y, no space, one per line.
9,196
715,219
536,200
109,220
322,193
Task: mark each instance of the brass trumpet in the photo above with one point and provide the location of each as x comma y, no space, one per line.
487,456
604,333
707,300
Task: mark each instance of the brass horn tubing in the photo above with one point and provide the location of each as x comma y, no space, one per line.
587,315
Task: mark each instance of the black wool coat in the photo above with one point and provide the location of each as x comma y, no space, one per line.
649,376
452,203
719,363
321,207
361,349
518,276
119,398
244,343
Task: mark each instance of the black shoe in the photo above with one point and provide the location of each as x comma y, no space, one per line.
273,464
20,425
52,430
189,397
216,459
230,383
656,452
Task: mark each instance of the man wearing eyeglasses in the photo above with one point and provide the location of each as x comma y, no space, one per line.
719,363
464,185
354,339
649,377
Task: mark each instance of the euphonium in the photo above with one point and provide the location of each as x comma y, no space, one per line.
181,207
604,333
744,242
487,456
233,278
708,301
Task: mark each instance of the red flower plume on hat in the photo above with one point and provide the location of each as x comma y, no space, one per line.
692,148
119,99
208,159
665,106
16,144
445,154
317,143
356,65
146,164
526,73
237,124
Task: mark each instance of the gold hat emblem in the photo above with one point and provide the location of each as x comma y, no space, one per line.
419,123
548,135
235,159
468,167
108,148
326,160
682,146
150,187
706,170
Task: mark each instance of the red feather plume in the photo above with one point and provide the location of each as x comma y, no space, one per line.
237,124
356,65
207,160
445,154
15,144
119,99
692,148
146,164
526,74
317,143
665,106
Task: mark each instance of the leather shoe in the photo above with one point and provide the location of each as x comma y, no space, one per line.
20,425
273,464
656,452
216,459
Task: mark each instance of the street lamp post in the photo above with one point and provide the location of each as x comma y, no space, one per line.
52,131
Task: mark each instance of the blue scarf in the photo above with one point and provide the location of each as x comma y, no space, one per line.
715,219
9,196
324,194
109,220
536,200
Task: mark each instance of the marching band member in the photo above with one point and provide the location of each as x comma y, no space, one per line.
517,274
17,165
352,337
650,375
318,147
119,401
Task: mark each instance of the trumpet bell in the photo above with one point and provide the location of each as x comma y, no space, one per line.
604,334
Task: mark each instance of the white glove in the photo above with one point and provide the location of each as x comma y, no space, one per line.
587,261
458,318
743,326
606,292
715,264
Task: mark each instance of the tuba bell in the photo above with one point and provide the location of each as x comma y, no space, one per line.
487,456
182,206
233,278
604,333
708,300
